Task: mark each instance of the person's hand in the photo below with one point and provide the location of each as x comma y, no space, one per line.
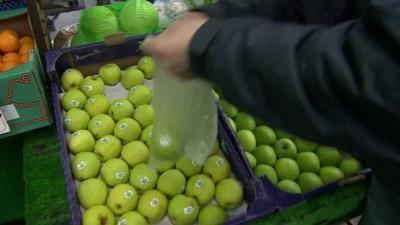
171,47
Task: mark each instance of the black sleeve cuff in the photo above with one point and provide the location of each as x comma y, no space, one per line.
200,42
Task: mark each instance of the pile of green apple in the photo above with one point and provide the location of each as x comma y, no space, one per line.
109,146
291,163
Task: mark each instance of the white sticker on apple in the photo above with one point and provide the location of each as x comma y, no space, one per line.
155,202
128,194
144,180
200,183
188,210
75,103
120,175
88,87
82,165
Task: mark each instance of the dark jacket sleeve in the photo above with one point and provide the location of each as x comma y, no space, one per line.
301,11
337,85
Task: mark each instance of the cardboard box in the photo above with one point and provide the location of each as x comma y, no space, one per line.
23,90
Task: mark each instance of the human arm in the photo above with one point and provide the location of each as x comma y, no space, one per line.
301,11
337,85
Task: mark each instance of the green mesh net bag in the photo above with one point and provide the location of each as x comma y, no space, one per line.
97,23
138,17
133,17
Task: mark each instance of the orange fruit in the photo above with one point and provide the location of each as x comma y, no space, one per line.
26,39
23,58
11,57
1,58
1,67
9,65
10,31
8,43
24,49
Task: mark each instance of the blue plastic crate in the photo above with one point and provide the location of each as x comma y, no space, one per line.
12,4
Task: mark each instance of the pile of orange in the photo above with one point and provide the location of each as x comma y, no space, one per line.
14,49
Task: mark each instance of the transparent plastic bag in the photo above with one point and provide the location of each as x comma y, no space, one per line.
185,118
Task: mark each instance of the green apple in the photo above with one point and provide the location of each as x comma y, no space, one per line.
140,95
251,160
114,172
132,218
265,154
264,135
247,140
282,134
215,150
97,104
146,134
212,215
143,177
70,79
153,205
330,174
131,78
171,183
350,167
217,167
232,123
120,108
230,110
101,125
182,210
73,99
309,181
308,162
287,169
328,156
229,193
188,166
127,130
289,186
108,147
134,153
144,115
245,121
110,73
98,215
166,144
92,192
200,187
76,119
268,171
85,165
305,145
81,141
285,148
92,85
161,165
122,198
147,66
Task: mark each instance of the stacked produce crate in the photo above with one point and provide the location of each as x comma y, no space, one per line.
23,102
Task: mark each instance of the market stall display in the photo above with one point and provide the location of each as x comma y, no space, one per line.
114,146
21,73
